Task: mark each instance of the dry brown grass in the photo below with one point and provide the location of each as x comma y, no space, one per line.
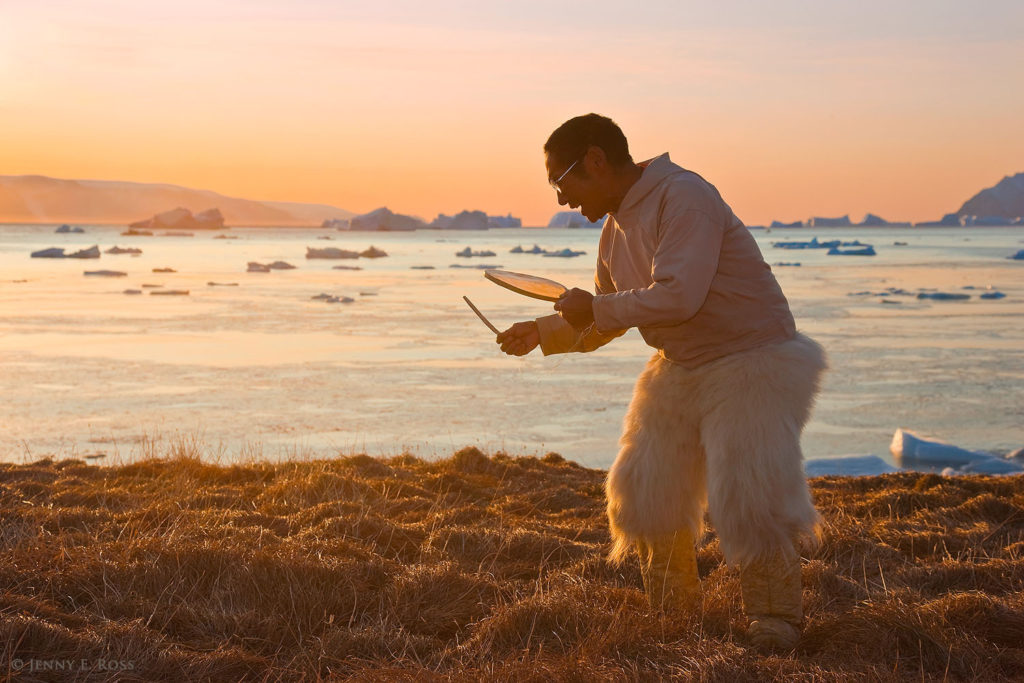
474,568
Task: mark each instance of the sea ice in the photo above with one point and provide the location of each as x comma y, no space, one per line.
518,249
564,253
52,252
866,250
943,296
330,253
468,253
848,465
911,450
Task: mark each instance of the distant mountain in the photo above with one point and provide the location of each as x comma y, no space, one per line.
39,199
1005,199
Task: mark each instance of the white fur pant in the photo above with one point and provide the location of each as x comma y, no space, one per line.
725,435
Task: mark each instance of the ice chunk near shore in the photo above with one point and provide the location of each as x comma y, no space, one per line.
912,451
1019,256
848,465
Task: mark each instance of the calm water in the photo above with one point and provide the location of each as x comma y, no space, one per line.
261,370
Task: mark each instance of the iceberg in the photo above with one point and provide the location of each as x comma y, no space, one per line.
993,295
848,465
468,253
55,252
518,249
912,450
384,219
182,219
563,253
950,220
813,243
336,224
819,222
871,220
68,229
780,224
508,221
866,250
1019,256
373,252
943,296
464,220
573,219
330,253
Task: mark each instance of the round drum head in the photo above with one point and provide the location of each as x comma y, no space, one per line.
527,285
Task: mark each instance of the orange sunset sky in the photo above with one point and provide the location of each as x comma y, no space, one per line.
792,108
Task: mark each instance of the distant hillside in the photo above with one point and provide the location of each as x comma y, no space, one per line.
1006,199
39,199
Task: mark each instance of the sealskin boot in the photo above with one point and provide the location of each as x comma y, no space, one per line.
772,599
668,565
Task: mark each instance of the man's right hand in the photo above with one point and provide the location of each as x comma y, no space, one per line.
520,339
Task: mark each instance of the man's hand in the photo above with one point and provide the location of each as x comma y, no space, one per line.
520,339
576,307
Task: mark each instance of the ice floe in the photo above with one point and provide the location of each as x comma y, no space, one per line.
913,451
848,465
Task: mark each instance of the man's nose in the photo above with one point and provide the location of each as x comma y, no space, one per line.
562,201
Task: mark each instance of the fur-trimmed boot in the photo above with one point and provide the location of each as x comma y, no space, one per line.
772,599
668,565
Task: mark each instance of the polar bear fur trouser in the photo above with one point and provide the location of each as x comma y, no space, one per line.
725,435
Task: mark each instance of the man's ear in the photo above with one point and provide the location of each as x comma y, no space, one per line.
597,157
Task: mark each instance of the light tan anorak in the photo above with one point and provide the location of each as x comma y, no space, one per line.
675,262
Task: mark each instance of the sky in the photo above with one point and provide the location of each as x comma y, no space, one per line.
792,108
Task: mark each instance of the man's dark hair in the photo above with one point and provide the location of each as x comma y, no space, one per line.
572,139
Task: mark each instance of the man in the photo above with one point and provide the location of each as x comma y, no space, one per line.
716,416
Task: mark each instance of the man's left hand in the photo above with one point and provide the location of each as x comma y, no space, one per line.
576,307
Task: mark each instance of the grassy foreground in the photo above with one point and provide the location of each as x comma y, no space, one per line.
473,568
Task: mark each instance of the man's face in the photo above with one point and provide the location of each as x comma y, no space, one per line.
577,188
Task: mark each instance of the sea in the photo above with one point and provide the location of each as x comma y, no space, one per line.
252,366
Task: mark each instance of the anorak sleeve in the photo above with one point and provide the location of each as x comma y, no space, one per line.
685,260
558,336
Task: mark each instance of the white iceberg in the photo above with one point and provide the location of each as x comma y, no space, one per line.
913,451
573,219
